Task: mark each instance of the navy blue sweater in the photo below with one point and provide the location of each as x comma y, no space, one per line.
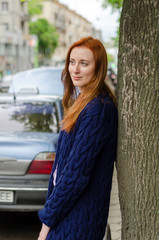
77,207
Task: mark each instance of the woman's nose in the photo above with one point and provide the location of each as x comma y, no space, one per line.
76,68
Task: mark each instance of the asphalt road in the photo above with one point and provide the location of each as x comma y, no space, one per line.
19,226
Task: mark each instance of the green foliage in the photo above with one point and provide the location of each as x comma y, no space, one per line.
35,7
116,39
110,57
47,36
115,4
46,32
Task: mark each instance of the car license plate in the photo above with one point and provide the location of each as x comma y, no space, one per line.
6,196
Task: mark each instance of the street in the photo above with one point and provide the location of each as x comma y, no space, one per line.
114,219
18,226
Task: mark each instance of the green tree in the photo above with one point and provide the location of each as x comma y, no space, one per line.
110,58
35,7
47,37
116,6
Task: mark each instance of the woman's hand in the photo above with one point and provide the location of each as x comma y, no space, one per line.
44,232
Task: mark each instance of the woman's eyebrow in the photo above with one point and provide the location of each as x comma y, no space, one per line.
85,60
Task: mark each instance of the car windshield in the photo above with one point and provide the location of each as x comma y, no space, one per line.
28,117
47,81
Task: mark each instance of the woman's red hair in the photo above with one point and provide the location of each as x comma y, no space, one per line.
72,104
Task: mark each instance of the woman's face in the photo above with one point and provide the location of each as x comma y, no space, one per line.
81,66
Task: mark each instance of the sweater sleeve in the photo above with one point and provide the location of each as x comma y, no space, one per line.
50,185
93,134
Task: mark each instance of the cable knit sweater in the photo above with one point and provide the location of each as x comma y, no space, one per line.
77,206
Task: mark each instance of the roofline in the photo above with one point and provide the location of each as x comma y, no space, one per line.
68,9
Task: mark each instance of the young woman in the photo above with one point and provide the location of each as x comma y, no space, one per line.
80,183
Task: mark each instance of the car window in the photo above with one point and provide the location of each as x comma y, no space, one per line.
48,81
29,117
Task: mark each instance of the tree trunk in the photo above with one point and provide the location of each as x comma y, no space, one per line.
138,104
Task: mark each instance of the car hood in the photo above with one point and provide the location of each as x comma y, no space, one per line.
18,149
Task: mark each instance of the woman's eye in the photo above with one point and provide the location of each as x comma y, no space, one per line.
71,62
84,63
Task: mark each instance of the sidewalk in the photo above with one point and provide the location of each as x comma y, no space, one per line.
114,219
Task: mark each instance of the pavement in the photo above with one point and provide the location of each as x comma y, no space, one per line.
114,219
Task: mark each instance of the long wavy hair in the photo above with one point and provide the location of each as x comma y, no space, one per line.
72,102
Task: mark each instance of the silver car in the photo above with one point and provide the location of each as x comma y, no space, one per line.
29,129
43,80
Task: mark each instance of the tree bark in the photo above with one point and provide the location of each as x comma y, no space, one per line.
138,104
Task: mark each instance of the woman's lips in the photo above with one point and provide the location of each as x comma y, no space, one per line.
76,78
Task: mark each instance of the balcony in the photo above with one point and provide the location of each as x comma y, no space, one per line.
25,17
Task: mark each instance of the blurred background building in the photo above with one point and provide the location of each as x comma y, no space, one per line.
70,26
15,52
17,46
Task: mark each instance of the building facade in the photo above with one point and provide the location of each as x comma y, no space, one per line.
17,48
70,25
15,51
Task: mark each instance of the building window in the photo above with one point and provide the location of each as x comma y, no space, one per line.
22,26
5,26
22,5
5,7
2,51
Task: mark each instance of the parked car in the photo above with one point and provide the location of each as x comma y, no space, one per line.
44,80
112,77
29,129
5,83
